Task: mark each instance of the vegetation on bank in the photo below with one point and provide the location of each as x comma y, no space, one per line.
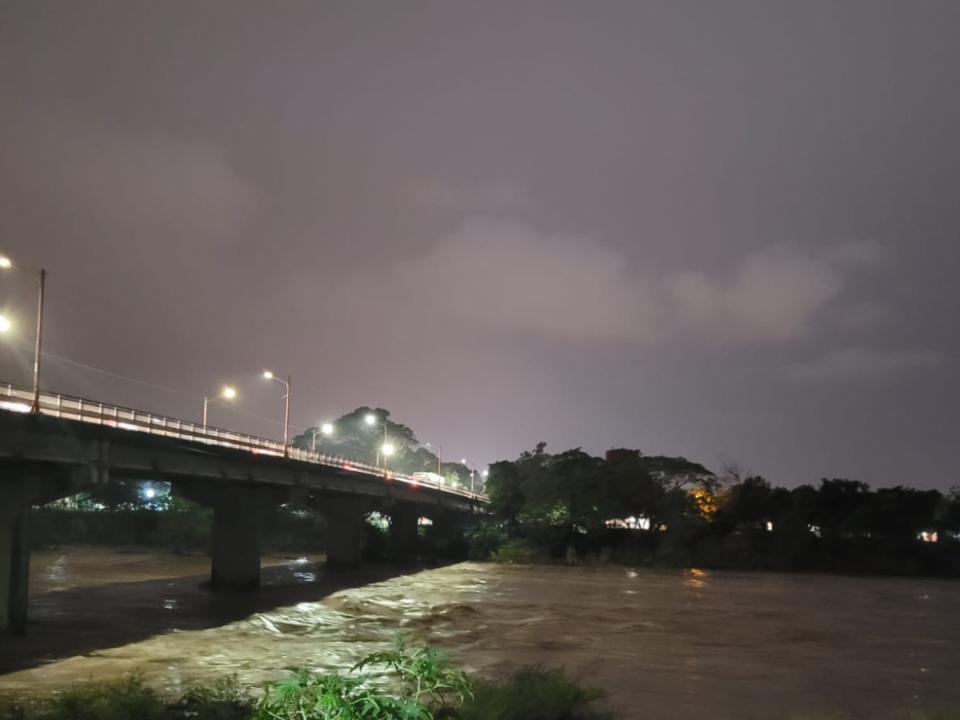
179,526
663,511
396,685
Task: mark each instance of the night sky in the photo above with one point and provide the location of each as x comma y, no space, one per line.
722,230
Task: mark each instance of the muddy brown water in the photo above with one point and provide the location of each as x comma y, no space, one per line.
667,645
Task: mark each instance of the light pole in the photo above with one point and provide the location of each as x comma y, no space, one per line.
286,413
439,453
472,470
7,264
388,450
228,393
371,419
325,429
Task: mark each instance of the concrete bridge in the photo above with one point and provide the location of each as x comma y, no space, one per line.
73,444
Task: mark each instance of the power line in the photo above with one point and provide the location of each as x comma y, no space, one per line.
145,383
118,376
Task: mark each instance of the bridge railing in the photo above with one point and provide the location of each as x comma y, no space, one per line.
19,399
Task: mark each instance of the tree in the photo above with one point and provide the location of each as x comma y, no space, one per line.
355,439
677,472
750,503
840,505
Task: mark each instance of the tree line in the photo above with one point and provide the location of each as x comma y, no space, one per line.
650,509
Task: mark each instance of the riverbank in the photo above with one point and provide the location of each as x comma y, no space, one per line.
399,684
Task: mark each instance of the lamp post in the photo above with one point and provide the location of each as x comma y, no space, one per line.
463,461
388,450
228,393
439,453
7,264
371,419
325,429
286,413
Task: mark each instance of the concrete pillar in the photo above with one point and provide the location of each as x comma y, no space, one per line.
445,526
237,529
344,531
403,531
14,568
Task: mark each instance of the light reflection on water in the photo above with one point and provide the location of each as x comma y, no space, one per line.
688,644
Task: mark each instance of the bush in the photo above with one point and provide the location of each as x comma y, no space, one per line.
534,694
520,552
186,527
121,700
484,539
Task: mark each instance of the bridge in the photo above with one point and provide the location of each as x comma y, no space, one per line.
75,443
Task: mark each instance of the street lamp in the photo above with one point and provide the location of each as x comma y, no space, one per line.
463,461
325,429
439,453
228,393
286,413
371,419
388,449
7,264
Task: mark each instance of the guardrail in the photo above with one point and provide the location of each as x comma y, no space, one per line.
19,399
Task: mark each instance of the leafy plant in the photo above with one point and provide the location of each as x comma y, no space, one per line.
534,694
424,673
425,683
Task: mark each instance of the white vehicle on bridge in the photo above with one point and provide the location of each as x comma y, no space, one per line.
429,478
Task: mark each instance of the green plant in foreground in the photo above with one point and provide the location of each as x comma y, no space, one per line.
425,684
121,700
534,694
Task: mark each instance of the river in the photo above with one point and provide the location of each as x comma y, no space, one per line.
671,645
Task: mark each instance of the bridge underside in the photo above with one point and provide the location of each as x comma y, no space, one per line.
43,459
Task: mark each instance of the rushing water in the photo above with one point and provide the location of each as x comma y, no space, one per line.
664,644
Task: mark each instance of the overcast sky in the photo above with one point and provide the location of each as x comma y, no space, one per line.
722,230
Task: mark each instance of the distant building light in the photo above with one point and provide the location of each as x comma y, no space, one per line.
926,536
149,493
769,526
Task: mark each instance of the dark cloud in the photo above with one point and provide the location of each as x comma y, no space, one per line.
502,273
860,363
717,230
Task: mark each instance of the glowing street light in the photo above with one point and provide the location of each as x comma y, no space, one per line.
371,419
286,413
388,449
228,393
7,264
5,324
325,429
463,461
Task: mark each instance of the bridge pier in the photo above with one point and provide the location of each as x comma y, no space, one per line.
404,517
23,486
344,515
237,528
14,568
